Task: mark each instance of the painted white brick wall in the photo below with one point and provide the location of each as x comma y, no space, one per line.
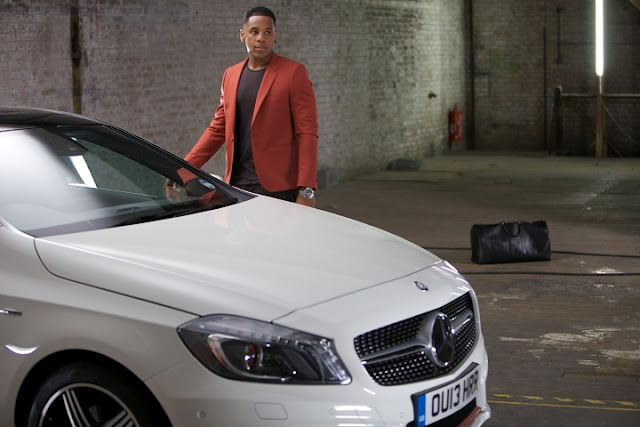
154,67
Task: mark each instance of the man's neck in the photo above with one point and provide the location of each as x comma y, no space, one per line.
255,65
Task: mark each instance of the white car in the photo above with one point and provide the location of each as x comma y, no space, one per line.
137,290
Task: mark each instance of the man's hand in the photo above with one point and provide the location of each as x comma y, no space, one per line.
301,200
176,194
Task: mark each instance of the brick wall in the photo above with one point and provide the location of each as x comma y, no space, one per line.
154,67
508,74
515,73
35,54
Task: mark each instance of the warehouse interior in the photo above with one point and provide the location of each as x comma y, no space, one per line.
541,135
386,73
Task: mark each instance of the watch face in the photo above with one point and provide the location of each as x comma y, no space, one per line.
307,193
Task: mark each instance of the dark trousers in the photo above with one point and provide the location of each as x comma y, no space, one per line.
288,195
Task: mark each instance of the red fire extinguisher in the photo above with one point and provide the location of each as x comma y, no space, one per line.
455,124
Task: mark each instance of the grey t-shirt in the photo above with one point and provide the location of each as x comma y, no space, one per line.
244,170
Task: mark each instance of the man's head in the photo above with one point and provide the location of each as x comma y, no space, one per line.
258,33
260,11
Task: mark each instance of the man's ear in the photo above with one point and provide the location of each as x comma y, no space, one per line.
242,35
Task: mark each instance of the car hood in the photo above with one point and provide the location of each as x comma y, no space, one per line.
263,258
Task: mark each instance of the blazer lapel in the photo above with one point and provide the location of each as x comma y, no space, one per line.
231,94
267,81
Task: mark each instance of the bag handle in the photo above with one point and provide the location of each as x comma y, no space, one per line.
506,229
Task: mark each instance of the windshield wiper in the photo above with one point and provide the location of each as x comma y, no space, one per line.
174,213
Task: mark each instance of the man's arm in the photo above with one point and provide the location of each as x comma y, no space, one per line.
213,137
305,120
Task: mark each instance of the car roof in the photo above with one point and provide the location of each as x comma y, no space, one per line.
12,118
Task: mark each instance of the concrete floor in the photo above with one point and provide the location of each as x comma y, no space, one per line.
563,335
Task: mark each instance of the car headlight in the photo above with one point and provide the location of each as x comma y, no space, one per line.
251,350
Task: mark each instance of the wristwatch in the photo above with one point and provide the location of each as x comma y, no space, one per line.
307,193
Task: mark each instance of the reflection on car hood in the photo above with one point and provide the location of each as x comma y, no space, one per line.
262,258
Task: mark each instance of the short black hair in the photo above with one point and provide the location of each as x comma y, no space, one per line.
259,11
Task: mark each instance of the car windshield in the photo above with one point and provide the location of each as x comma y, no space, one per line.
78,178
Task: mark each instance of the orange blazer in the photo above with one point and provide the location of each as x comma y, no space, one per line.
284,129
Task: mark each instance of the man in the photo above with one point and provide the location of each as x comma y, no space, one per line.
266,118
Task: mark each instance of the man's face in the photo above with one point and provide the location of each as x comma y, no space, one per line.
259,35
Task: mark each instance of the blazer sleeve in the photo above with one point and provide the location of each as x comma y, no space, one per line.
305,119
213,137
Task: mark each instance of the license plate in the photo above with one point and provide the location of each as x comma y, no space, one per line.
435,404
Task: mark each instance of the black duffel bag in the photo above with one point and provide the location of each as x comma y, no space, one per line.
510,242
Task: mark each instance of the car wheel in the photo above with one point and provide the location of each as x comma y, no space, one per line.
85,394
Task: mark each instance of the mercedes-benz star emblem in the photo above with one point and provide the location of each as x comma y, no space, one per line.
421,286
441,340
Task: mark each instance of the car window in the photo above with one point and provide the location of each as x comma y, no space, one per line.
70,179
103,168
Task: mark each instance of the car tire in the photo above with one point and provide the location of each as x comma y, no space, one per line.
87,394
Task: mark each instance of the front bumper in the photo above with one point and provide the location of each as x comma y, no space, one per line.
193,396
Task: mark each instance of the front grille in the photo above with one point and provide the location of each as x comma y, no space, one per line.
408,365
